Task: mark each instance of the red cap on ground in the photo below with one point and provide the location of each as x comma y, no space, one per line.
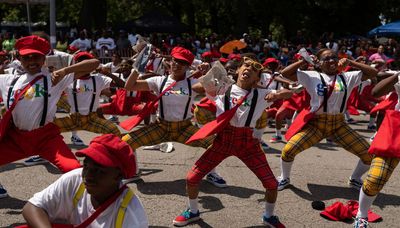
82,54
32,45
110,151
337,212
182,54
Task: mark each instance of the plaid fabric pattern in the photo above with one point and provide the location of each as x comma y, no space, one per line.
63,103
237,142
322,127
379,173
263,121
203,115
91,122
165,131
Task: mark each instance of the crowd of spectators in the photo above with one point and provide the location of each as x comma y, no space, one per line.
104,43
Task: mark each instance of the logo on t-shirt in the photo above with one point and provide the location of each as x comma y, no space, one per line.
84,88
181,91
235,100
339,87
35,91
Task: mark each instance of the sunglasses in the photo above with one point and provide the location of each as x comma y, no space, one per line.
329,58
180,62
254,64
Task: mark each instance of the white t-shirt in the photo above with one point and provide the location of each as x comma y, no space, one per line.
28,112
175,100
105,42
240,117
57,201
312,82
83,45
397,88
85,91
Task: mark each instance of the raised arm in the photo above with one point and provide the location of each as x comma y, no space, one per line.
368,71
35,216
118,81
290,71
133,84
385,86
80,69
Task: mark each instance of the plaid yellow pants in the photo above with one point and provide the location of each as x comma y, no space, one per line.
379,173
165,131
63,103
324,126
91,122
204,116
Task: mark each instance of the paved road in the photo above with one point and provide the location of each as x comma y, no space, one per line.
320,173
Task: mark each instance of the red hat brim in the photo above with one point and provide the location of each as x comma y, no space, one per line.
30,51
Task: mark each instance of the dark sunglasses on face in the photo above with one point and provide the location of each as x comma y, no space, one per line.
179,62
329,58
255,65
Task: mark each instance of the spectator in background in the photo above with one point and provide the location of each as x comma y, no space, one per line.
123,41
105,42
379,56
82,43
62,42
8,42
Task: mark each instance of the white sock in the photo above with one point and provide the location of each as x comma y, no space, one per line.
258,133
286,167
371,121
153,118
278,132
269,209
294,115
360,169
365,203
193,205
74,134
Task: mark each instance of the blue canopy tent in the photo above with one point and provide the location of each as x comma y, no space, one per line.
391,29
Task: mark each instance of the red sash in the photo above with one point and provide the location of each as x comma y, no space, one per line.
6,120
387,104
387,140
216,125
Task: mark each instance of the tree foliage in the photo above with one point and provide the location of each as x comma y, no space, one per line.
281,18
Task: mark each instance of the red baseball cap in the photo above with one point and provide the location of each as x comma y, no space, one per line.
182,54
270,60
83,54
72,48
3,53
110,151
234,56
207,54
223,60
32,45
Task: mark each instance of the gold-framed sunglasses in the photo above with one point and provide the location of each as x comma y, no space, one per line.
254,64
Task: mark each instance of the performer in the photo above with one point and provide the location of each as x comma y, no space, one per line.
174,122
31,129
236,139
329,91
384,161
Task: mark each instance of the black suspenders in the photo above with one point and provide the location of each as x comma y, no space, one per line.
326,93
45,97
252,107
160,103
75,91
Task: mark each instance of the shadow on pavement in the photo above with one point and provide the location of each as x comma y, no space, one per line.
325,192
12,203
178,187
16,165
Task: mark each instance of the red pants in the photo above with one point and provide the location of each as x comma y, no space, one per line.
129,109
238,142
45,141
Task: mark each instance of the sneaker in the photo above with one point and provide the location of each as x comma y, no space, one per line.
77,141
216,180
356,184
282,184
360,222
264,145
330,141
167,147
3,192
186,217
35,160
113,119
272,221
351,121
276,138
371,127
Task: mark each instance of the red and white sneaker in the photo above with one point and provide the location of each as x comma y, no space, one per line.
186,217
